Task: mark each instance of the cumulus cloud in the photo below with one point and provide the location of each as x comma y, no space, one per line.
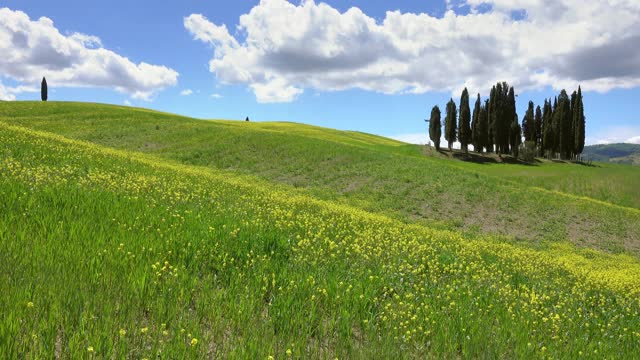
616,134
280,48
186,92
216,96
32,49
8,93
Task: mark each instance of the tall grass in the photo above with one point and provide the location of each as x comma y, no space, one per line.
109,254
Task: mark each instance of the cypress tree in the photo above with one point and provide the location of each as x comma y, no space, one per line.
435,131
571,144
537,123
564,122
528,124
489,113
515,136
475,126
510,114
555,127
464,132
547,128
450,124
579,124
497,111
43,90
483,127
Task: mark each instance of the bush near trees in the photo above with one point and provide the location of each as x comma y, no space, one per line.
555,130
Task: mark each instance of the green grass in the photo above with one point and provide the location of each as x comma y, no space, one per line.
593,207
118,254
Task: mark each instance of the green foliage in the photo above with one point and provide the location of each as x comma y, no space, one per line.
528,151
450,130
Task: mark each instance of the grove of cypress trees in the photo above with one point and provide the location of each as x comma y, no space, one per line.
450,124
435,131
43,90
464,129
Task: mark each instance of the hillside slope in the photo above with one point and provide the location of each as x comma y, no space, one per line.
117,254
615,153
368,172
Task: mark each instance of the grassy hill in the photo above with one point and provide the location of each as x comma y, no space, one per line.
373,173
615,153
131,233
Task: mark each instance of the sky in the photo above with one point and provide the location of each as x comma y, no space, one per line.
374,66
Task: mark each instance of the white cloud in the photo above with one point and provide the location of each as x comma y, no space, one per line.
216,96
8,93
127,102
32,49
186,92
633,140
5,94
616,134
283,49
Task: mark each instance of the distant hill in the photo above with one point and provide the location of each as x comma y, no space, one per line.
615,153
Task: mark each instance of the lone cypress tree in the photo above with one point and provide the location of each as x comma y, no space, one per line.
579,124
537,123
435,128
464,132
43,90
528,124
450,124
475,126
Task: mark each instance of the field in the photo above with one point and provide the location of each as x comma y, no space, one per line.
131,233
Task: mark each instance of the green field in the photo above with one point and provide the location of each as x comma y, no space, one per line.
128,233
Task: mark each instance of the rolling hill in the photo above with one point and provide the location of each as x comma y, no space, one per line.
132,233
615,153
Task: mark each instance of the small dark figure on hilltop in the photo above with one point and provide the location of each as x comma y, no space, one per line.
247,119
43,89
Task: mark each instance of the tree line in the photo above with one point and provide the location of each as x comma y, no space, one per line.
557,130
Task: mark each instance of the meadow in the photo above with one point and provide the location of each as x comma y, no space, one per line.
597,207
114,246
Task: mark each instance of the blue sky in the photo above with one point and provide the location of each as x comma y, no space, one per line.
321,63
